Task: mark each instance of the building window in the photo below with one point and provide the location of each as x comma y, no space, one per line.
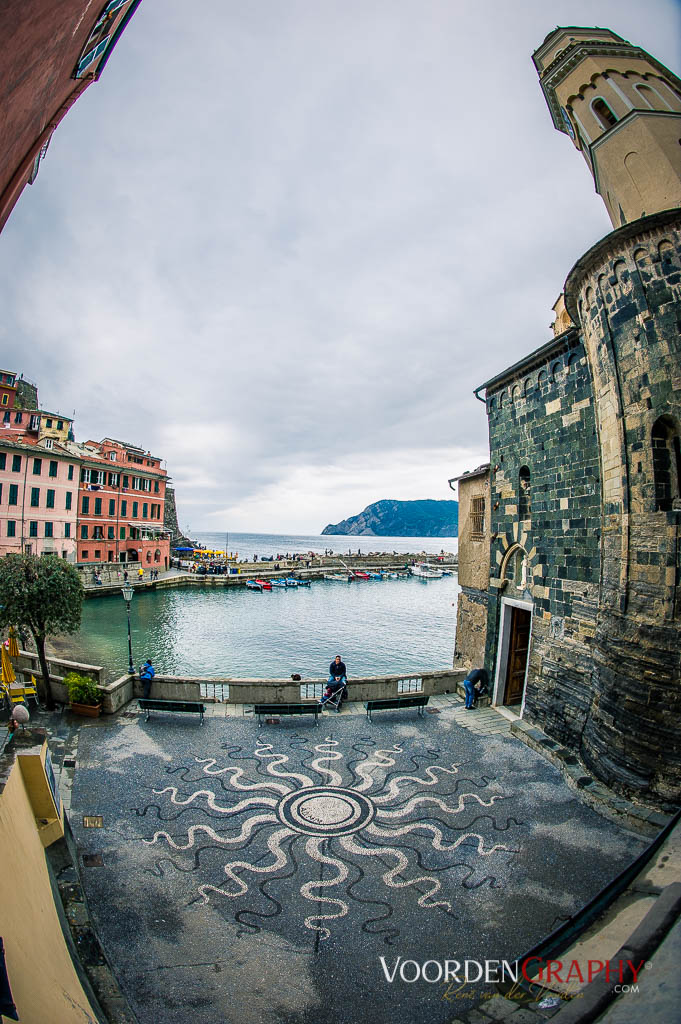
135,506
16,463
60,424
98,554
477,518
33,528
155,486
49,499
124,508
666,463
524,494
83,533
112,506
85,476
110,533
121,533
98,533
53,467
11,527
70,472
34,423
146,484
5,399
113,479
3,460
112,456
37,467
604,114
18,417
125,480
13,498
35,497
85,506
67,529
98,506
145,511
5,417
69,497
48,423
48,442
48,530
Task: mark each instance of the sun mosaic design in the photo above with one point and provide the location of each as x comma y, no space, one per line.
374,813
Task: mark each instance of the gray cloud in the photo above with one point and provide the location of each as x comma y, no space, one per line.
279,244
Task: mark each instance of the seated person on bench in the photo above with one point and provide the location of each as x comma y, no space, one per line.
147,675
337,679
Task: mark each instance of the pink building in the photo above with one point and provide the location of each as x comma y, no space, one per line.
38,497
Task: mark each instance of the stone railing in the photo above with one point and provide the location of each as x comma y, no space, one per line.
272,691
27,665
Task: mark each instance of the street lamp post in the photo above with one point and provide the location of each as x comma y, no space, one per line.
127,591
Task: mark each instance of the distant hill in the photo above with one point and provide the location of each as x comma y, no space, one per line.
388,518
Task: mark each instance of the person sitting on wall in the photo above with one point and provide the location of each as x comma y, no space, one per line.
147,676
476,685
338,679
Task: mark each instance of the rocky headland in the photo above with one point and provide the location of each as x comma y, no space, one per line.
388,518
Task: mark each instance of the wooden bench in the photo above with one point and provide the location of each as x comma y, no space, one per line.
395,703
286,709
181,706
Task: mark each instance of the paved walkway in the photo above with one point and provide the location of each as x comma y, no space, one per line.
261,873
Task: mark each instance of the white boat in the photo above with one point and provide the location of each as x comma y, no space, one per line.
335,578
426,572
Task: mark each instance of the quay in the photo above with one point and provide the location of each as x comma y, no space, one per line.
111,574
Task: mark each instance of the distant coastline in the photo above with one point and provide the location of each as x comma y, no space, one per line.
390,518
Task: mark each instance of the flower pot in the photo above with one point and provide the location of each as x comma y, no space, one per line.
87,710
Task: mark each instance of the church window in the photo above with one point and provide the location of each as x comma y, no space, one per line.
524,493
604,113
666,463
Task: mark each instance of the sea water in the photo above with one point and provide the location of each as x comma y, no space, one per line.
245,545
385,626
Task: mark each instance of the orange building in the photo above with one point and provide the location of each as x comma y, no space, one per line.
121,496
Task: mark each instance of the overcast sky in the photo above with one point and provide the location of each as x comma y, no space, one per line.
279,243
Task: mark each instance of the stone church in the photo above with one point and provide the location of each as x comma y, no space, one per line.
570,538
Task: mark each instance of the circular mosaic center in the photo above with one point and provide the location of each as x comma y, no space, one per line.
326,812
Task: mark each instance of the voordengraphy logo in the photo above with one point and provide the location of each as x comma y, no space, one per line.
533,970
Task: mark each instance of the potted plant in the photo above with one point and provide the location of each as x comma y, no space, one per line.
84,695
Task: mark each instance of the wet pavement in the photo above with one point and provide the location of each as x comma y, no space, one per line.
260,874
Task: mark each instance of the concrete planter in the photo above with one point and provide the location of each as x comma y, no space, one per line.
86,710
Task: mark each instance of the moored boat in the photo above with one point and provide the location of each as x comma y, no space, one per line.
426,572
265,584
336,578
254,585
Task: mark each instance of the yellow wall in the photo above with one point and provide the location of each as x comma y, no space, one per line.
44,983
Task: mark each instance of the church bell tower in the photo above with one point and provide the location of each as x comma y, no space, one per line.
622,109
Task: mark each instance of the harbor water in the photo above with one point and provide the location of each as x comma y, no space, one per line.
385,626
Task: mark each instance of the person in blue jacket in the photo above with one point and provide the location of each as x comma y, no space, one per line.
338,678
147,675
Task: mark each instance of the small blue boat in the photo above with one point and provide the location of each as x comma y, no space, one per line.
278,583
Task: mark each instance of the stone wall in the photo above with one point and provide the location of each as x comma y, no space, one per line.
545,526
626,293
473,570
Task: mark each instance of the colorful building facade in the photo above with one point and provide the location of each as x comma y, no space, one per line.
121,497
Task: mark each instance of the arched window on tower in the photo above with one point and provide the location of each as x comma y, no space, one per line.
603,112
666,463
524,495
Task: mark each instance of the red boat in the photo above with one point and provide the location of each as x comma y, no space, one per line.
265,584
361,575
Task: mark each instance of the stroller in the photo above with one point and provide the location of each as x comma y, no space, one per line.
334,698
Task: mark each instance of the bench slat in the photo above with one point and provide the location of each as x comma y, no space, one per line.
286,709
149,704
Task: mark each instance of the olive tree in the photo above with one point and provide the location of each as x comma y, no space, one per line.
43,595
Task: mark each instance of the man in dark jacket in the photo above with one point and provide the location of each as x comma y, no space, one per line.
475,684
337,678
